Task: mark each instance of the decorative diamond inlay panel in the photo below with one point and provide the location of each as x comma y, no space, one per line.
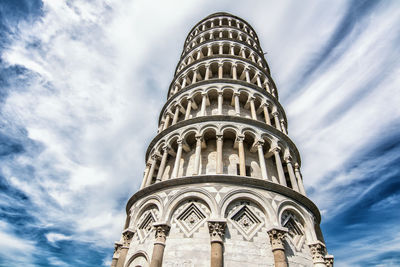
190,219
246,221
295,229
145,225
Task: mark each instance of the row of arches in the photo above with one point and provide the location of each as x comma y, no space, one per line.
222,33
245,212
227,149
222,48
242,102
226,68
220,22
278,216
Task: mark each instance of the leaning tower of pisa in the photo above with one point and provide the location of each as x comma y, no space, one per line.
222,184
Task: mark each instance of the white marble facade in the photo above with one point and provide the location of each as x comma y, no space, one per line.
222,184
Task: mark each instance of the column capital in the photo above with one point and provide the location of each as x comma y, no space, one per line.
266,104
179,141
236,94
276,236
219,137
288,159
161,233
155,156
217,230
260,142
329,259
275,149
318,252
275,113
220,93
117,249
203,94
127,235
199,137
240,138
296,166
166,148
251,98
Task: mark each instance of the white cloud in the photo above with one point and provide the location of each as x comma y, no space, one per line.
54,237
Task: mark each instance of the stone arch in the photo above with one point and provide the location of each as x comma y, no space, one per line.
145,204
187,194
292,206
252,196
137,258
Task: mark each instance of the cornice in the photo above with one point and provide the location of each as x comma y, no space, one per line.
243,181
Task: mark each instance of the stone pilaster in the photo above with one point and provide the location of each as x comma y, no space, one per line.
117,250
276,236
318,252
217,232
127,235
162,230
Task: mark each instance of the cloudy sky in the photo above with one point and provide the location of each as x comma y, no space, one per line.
82,84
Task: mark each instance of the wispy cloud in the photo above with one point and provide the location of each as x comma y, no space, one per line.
83,82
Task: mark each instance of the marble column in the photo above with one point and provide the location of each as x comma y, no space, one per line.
203,104
217,232
176,115
220,71
220,102
237,104
283,126
276,237
292,176
178,156
162,164
266,114
146,172
247,75
166,122
188,109
261,159
197,158
151,171
277,122
194,80
318,252
219,167
127,235
234,72
162,230
207,76
259,84
299,179
253,109
242,159
281,174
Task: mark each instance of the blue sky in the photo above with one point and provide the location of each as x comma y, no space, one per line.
82,83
